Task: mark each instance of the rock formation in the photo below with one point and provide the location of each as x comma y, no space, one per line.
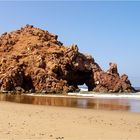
33,60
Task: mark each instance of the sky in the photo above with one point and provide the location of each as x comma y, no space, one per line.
108,30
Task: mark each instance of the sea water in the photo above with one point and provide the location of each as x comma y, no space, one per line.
118,104
84,99
130,101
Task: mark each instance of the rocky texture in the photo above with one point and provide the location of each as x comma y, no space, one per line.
33,60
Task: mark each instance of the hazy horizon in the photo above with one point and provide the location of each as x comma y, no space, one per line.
109,31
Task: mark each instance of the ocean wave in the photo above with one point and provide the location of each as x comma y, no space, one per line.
106,95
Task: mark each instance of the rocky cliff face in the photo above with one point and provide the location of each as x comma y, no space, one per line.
33,60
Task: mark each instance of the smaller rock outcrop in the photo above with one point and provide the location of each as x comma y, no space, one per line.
110,81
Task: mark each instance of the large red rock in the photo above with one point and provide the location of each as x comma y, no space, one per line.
33,60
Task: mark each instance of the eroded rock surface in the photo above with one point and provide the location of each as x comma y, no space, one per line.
33,60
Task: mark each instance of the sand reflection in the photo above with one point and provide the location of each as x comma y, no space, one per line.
94,103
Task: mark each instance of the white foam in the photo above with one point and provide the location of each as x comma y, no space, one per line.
92,95
83,89
102,95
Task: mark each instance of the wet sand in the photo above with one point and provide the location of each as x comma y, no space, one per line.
107,103
24,121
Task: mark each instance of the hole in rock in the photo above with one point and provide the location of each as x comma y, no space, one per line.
79,78
28,84
83,87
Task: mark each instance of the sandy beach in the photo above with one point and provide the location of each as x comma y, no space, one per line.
23,121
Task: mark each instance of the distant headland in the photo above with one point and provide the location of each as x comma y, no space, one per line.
33,60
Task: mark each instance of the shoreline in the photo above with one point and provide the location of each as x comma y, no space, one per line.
135,96
108,95
99,103
83,95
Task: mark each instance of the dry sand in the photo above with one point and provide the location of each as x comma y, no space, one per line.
22,121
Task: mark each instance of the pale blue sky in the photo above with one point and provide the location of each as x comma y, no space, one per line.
109,31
